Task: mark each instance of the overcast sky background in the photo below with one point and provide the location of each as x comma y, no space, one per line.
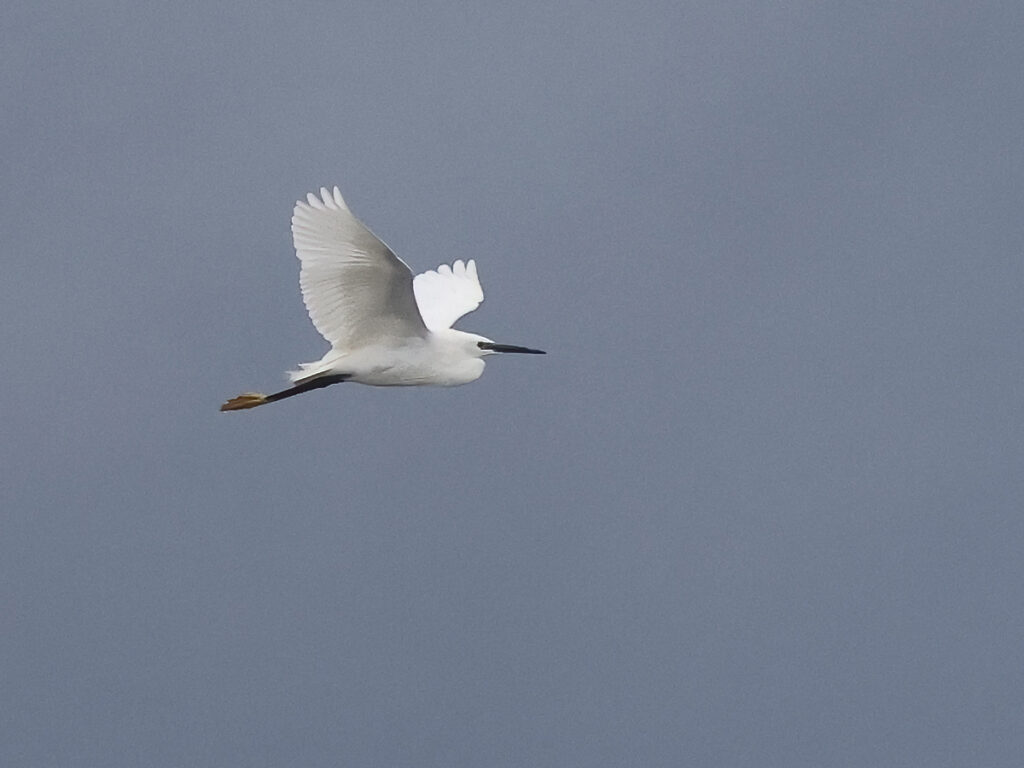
760,505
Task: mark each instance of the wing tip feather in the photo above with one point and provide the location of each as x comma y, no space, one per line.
339,200
327,200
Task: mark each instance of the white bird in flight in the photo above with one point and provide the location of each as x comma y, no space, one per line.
386,328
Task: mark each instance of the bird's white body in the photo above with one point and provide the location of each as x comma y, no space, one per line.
445,358
386,328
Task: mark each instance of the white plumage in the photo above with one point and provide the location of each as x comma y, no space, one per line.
385,327
445,294
354,287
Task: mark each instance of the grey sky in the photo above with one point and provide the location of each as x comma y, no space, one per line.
760,505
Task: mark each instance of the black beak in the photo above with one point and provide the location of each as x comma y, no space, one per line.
509,348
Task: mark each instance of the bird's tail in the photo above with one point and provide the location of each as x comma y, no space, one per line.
309,371
246,400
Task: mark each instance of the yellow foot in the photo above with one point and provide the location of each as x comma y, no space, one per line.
248,400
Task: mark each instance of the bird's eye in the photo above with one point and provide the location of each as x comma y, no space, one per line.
481,344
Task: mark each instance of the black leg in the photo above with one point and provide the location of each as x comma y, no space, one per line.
252,399
318,383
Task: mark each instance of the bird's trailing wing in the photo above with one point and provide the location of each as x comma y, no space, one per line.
355,288
447,293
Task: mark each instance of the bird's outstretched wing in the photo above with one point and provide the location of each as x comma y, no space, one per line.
355,289
447,293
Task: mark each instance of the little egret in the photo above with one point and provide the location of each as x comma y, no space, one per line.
386,328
